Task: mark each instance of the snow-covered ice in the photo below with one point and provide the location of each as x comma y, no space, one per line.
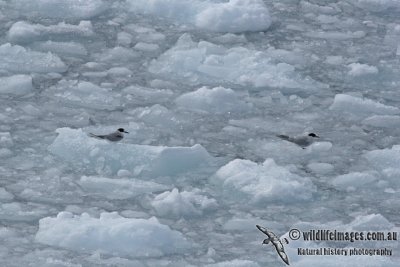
76,147
62,9
16,85
204,62
187,204
24,32
17,59
111,233
215,100
118,188
260,184
230,16
361,106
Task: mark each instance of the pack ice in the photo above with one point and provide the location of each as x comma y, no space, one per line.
76,147
112,234
230,16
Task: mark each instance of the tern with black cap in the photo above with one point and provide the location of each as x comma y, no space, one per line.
303,140
118,135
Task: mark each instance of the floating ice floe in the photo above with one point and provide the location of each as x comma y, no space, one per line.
6,139
354,180
230,16
357,69
145,95
361,223
117,55
62,9
382,121
118,188
216,100
376,5
15,211
17,59
5,195
25,32
386,161
263,183
111,234
208,63
76,147
361,106
61,48
16,85
86,94
175,204
334,35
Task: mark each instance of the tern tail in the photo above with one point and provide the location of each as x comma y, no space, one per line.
284,137
96,136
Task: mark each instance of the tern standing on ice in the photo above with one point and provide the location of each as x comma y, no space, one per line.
118,135
303,141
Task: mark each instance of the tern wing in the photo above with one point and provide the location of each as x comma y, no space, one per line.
284,137
96,136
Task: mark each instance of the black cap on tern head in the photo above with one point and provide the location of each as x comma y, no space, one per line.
122,130
313,135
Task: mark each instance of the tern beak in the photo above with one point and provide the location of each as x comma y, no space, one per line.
126,132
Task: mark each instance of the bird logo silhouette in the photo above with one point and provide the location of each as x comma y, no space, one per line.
275,242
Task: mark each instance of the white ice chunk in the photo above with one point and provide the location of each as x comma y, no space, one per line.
16,85
334,35
361,106
354,180
118,188
228,16
242,180
5,195
6,139
124,38
320,167
215,100
77,147
377,5
358,69
25,32
205,63
384,158
62,9
386,163
120,71
175,204
157,115
20,60
15,211
139,94
382,121
61,48
111,234
234,16
146,47
117,55
308,7
86,94
334,60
